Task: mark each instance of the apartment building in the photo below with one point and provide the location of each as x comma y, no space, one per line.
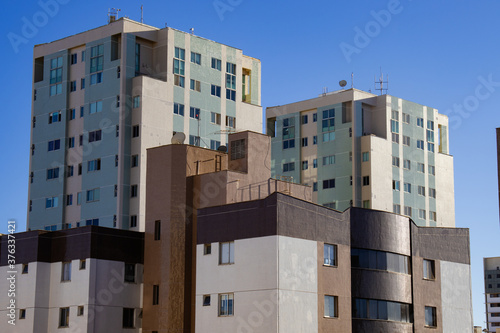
102,97
86,279
362,150
281,264
492,293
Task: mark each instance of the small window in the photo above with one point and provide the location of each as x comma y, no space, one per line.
80,310
237,149
396,185
25,269
196,58
83,264
331,306
226,253
135,131
366,204
429,269
133,191
63,317
330,255
22,313
216,64
215,90
66,272
366,156
194,112
157,229
195,85
396,208
207,249
179,109
366,180
304,119
128,317
328,183
129,273
430,316
135,161
136,101
226,306
156,294
133,221
206,300
304,142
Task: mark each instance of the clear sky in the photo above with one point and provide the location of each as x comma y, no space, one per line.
440,55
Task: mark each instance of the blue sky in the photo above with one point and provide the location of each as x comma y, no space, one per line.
437,55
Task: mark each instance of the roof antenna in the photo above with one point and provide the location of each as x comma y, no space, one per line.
142,14
112,14
191,31
381,83
352,80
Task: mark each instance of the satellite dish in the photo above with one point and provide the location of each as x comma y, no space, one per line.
178,138
343,83
222,149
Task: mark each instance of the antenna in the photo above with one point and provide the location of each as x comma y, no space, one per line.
112,14
142,14
352,80
381,83
343,83
325,90
191,31
178,138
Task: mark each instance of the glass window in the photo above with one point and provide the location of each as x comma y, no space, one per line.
331,306
129,275
66,271
63,317
226,307
330,255
128,318
226,253
429,270
216,64
430,316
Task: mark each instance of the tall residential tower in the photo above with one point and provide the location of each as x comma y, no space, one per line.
102,97
359,149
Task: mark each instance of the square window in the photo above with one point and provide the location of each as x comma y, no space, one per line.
216,64
196,58
206,300
63,317
330,255
195,85
215,90
128,317
366,204
194,112
129,275
396,208
430,316
226,306
179,109
331,306
226,253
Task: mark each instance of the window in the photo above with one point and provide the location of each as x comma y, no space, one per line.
195,85
129,275
79,198
206,300
79,169
407,164
305,165
395,161
194,140
72,86
73,58
66,271
137,59
432,216
226,304
82,109
366,204
134,161
96,64
366,156
136,101
328,160
216,64
71,114
82,83
396,185
196,58
396,208
93,195
117,131
179,109
22,313
421,190
115,191
395,115
133,221
395,137
290,166
230,81
329,183
330,255
157,230
63,317
94,165
95,136
83,55
432,193
25,269
116,160
215,118
52,173
432,170
83,264
331,306
226,253
315,187
194,112
366,180
207,249
421,214
288,134
69,199
406,140
231,121
407,187
430,147
54,117
80,310
304,119
215,90
328,125
406,118
51,202
304,142
420,122
382,310
408,211
332,205
380,260
430,316
156,294
135,131
133,191
71,142
315,140
214,144
128,318
429,269
56,76
237,149
315,117
420,167
179,57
